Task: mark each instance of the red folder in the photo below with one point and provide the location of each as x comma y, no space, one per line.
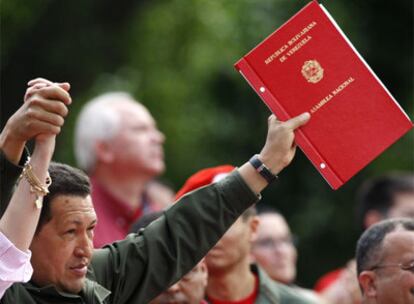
308,65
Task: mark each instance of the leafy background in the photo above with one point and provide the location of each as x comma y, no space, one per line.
177,58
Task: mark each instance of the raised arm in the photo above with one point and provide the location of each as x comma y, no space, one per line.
142,266
40,117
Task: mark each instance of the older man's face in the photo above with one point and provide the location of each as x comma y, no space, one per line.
62,249
189,290
393,278
138,146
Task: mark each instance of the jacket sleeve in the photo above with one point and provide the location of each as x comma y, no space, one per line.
143,265
9,174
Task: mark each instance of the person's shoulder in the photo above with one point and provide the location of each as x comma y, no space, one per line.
17,293
309,295
277,292
290,294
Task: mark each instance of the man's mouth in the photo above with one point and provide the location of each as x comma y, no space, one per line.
80,269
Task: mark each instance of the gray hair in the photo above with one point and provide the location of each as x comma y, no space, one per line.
97,121
368,251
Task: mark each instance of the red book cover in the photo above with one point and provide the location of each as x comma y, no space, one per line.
308,65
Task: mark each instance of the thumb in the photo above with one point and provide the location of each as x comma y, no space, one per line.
64,85
298,121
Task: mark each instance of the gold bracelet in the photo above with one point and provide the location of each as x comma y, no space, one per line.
36,186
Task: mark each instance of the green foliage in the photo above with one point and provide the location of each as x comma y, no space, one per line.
177,58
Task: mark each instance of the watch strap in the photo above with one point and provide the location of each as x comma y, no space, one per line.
262,169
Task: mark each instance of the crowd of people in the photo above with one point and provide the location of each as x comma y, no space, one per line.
112,233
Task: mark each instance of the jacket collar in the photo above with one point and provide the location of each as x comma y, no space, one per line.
265,286
91,289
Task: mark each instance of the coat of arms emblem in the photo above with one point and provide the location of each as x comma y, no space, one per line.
312,71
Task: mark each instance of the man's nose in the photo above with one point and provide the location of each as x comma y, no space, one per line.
159,136
84,247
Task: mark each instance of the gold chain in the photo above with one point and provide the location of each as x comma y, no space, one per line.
36,186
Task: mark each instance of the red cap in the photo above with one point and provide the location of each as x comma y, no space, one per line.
203,178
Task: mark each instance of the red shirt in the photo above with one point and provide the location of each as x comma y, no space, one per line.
328,279
114,217
250,299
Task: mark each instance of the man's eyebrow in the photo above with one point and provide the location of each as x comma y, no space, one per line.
76,222
79,222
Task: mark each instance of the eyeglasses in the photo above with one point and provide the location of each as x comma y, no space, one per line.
406,267
270,243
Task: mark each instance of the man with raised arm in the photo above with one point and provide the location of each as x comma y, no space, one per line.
40,117
138,268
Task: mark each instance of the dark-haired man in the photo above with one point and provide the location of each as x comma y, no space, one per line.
232,279
379,198
385,197
141,266
385,262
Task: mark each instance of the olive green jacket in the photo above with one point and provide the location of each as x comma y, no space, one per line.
137,269
271,292
8,177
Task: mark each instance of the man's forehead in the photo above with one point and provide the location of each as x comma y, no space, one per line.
399,243
134,114
128,107
403,205
272,225
65,207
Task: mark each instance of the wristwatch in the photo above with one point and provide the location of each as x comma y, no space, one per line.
262,169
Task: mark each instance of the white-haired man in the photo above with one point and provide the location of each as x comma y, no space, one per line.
118,144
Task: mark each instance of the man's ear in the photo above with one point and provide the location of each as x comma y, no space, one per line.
367,281
103,152
254,224
204,271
